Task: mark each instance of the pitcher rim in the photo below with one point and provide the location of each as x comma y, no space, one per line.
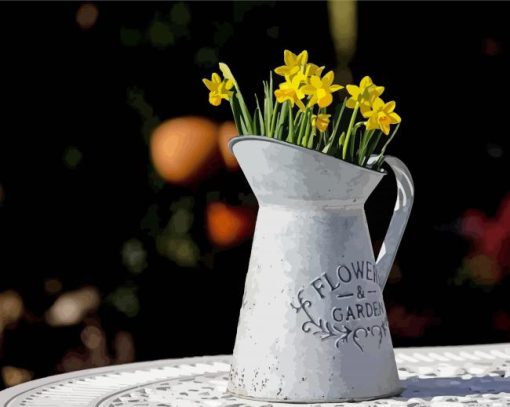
239,138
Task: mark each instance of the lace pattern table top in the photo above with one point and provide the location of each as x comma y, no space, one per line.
456,376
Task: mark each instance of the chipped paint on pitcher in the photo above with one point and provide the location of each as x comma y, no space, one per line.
313,325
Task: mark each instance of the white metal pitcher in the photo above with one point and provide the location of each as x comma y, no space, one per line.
313,325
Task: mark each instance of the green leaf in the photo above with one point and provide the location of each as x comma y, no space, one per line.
244,113
258,116
273,120
341,140
243,126
281,121
236,114
267,112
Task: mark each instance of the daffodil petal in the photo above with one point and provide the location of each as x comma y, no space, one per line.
316,82
209,85
366,112
378,104
216,78
395,118
281,70
378,90
325,100
289,58
366,82
308,90
372,123
327,79
353,90
214,99
299,104
302,58
390,106
351,103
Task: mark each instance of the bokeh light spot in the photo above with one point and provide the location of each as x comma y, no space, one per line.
71,307
160,34
206,57
134,256
130,37
14,375
125,300
86,16
52,286
72,157
11,308
180,14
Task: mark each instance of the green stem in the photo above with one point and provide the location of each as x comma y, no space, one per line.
353,144
349,130
331,147
306,133
296,119
372,146
270,101
281,120
290,137
367,136
310,138
273,121
302,126
380,158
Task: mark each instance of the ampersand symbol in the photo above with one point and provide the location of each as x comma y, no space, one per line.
361,293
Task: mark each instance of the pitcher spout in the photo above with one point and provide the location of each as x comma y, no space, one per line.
286,174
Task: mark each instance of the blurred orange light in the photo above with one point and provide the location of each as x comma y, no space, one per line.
86,15
71,307
229,225
92,337
11,308
226,132
15,375
185,149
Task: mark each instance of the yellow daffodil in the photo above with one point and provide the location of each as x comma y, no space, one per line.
321,121
365,94
321,89
381,116
227,73
313,70
293,63
292,90
218,89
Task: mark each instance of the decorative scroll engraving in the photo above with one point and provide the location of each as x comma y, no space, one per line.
340,332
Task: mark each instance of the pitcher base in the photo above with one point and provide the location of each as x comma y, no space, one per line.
324,400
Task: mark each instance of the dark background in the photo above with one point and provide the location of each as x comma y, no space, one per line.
85,219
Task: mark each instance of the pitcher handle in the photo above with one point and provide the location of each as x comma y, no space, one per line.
401,212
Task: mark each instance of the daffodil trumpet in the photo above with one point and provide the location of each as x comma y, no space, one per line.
298,110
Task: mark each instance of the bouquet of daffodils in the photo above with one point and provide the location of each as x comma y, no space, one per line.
297,112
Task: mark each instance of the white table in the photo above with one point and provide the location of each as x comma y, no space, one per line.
467,376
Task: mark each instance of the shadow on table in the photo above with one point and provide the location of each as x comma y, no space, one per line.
475,387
